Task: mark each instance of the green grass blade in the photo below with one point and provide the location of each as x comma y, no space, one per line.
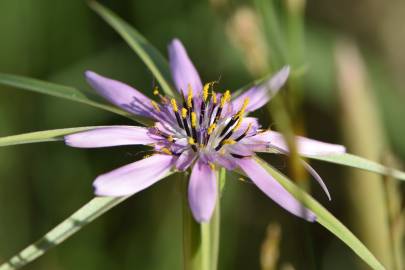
325,218
152,58
40,136
61,91
85,215
354,161
71,225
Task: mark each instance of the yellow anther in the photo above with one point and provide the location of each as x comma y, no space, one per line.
193,119
190,96
166,151
237,126
229,141
225,98
242,110
170,138
155,105
174,105
205,91
211,128
184,113
214,97
156,91
191,141
212,166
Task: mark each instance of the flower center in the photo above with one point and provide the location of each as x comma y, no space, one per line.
204,123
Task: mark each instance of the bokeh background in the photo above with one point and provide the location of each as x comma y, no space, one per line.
346,87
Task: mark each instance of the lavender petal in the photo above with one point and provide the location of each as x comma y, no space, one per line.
121,95
109,136
133,177
202,191
273,189
183,71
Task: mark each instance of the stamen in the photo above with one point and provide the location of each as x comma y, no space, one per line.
174,105
237,126
170,138
155,105
185,124
242,110
184,113
244,133
176,112
202,112
166,151
192,143
211,128
223,142
193,119
225,98
190,97
205,91
228,126
212,166
214,97
156,91
193,125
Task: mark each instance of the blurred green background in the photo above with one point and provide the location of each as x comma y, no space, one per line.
335,48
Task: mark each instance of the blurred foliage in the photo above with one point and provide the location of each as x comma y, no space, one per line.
42,184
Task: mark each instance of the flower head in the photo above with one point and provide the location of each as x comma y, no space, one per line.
203,130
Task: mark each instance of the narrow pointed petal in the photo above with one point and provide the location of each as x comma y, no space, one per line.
202,191
183,71
109,136
133,177
306,147
318,178
261,94
266,183
120,94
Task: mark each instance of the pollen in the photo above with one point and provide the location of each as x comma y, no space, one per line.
193,119
155,105
242,110
225,98
170,138
184,113
205,91
211,128
166,151
174,105
156,91
214,97
191,141
212,166
190,96
229,141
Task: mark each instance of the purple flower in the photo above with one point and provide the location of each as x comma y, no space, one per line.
203,130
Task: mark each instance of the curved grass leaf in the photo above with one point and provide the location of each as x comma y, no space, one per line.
61,91
71,225
152,58
354,161
325,218
85,215
41,136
